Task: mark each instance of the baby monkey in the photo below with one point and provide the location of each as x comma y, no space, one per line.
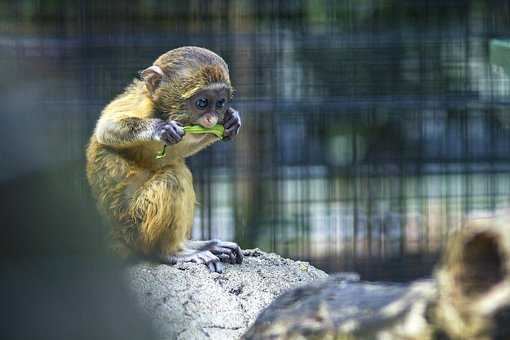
150,202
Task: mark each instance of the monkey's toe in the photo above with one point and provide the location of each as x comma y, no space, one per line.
215,267
225,254
209,259
228,252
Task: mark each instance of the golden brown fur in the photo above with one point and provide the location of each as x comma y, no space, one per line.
150,203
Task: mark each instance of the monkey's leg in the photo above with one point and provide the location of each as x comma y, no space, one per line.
227,251
164,209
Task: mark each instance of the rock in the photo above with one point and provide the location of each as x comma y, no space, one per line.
186,301
468,298
338,307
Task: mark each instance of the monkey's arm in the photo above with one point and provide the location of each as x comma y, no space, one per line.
126,131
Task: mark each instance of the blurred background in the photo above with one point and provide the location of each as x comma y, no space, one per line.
370,128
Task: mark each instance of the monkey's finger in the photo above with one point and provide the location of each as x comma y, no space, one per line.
167,139
231,122
163,136
177,128
175,131
232,131
175,135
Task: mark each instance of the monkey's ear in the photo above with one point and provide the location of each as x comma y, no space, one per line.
152,76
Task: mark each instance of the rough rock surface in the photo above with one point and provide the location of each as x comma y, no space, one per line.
186,301
468,298
339,307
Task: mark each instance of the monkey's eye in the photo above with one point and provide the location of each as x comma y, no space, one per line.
202,103
220,104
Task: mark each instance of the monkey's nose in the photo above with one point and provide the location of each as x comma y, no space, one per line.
210,120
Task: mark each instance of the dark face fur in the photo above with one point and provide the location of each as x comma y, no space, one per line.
208,106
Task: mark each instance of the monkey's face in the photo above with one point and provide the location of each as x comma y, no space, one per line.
208,106
190,85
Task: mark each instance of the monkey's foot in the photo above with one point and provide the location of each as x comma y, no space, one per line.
206,257
228,252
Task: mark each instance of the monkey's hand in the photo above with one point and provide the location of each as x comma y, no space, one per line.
168,132
228,252
231,123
